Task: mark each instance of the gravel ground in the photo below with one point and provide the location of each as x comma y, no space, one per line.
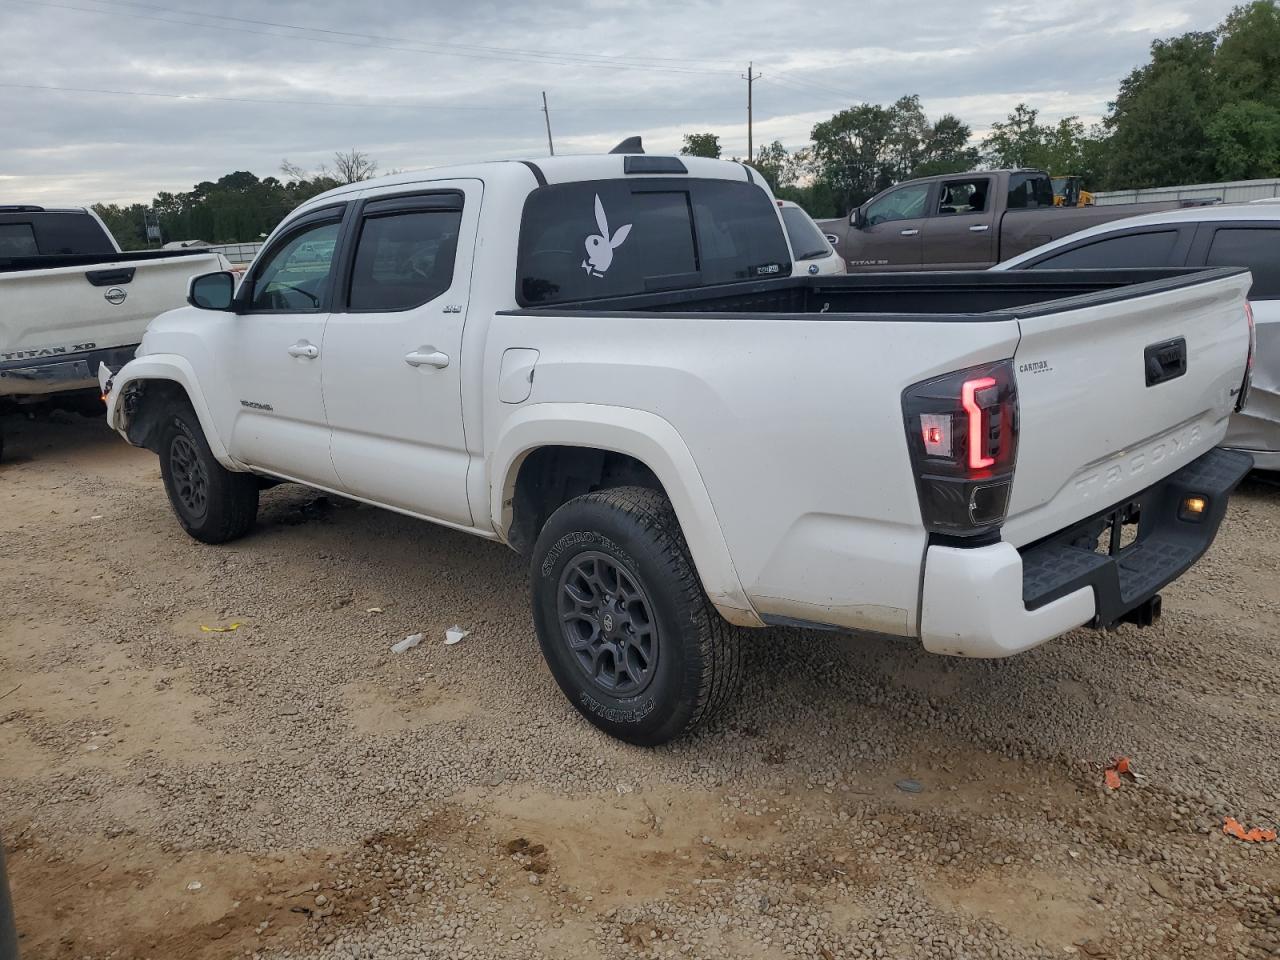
292,789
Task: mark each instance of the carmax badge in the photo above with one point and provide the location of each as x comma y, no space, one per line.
115,295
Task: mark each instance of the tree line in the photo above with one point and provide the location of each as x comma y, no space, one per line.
236,208
1204,107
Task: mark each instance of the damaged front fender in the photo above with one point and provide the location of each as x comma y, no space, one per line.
146,389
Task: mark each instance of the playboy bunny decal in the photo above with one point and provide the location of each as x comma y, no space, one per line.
600,246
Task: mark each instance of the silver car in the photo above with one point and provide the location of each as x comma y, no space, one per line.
1235,235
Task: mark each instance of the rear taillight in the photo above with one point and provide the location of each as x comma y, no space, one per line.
962,432
1245,384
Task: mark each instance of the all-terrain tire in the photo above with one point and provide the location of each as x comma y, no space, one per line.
213,504
617,558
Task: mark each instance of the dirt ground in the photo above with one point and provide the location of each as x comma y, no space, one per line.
291,788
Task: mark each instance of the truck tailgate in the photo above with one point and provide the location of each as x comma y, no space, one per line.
69,309
1113,396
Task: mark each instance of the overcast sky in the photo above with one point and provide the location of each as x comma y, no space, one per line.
419,83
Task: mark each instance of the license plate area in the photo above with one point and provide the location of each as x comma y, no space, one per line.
1114,533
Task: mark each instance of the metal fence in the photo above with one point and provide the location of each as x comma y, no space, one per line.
1239,191
237,253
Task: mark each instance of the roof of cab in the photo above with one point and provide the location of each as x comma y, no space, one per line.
539,170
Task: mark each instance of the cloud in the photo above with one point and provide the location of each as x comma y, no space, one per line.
429,83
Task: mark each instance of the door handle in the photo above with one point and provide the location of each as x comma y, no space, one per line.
980,228
427,358
909,233
308,351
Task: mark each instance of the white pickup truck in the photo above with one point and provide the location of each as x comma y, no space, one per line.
604,363
70,300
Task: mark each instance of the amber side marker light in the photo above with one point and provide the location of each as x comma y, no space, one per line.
1193,508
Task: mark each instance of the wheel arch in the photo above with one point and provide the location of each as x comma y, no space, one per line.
612,446
140,392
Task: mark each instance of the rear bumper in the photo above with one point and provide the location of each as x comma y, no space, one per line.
1264,459
997,600
60,374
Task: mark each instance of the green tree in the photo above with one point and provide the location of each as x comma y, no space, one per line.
127,224
701,145
776,165
1245,141
1157,124
1247,61
865,148
1022,141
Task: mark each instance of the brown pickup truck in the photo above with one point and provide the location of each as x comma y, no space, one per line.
962,221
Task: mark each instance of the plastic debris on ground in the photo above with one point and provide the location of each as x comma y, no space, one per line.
910,786
229,628
408,643
1234,828
454,634
372,609
1120,766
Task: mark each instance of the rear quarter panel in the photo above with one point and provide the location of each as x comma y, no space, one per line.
796,429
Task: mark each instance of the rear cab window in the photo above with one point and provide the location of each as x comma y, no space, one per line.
33,233
18,240
608,238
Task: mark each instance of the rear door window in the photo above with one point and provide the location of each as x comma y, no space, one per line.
963,196
1255,248
404,260
586,240
17,240
1149,249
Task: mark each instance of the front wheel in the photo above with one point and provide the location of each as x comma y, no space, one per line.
623,621
213,504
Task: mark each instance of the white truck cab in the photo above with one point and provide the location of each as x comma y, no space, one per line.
605,363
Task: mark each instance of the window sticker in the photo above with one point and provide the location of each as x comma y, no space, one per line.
600,246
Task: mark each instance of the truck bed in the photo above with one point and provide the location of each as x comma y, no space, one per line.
55,260
938,296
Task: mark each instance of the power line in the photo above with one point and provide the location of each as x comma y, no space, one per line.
604,58
790,79
438,49
395,105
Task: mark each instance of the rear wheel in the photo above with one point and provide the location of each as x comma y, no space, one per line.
622,619
213,504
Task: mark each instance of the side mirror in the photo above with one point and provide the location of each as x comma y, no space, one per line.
212,291
859,218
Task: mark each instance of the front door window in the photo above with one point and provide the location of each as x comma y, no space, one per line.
294,277
905,203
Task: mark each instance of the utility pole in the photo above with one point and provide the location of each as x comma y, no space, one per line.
750,78
547,113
